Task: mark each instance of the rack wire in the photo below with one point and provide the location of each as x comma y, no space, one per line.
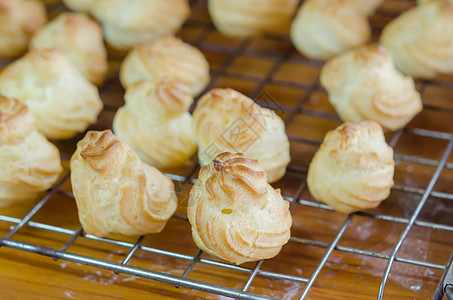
233,52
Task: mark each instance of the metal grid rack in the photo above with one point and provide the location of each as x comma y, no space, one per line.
232,54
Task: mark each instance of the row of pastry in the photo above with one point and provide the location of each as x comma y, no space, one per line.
234,212
420,40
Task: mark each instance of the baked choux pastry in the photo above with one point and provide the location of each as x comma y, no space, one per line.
19,20
165,58
29,163
129,23
115,192
353,169
363,84
61,100
419,2
325,28
241,18
368,7
421,39
228,121
81,38
235,213
156,123
81,5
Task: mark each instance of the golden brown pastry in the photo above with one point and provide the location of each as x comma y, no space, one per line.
156,123
353,169
128,23
61,100
368,7
250,17
166,58
19,20
421,39
235,214
81,5
81,38
363,84
227,121
29,163
116,192
325,28
419,2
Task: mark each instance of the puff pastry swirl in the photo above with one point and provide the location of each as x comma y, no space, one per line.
19,20
324,28
116,192
228,121
166,58
29,163
81,38
421,39
250,17
363,84
353,169
61,100
156,124
235,214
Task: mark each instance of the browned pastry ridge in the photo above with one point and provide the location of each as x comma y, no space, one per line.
235,213
115,192
353,169
29,164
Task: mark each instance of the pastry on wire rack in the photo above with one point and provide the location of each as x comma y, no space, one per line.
235,213
115,191
61,100
363,84
353,169
156,123
165,58
129,23
228,121
19,20
241,18
419,2
29,163
421,39
81,38
325,28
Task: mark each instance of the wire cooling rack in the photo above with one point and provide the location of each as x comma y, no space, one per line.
410,233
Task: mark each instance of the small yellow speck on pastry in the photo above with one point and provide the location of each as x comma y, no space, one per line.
235,213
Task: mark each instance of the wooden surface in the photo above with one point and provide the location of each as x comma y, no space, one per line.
245,65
